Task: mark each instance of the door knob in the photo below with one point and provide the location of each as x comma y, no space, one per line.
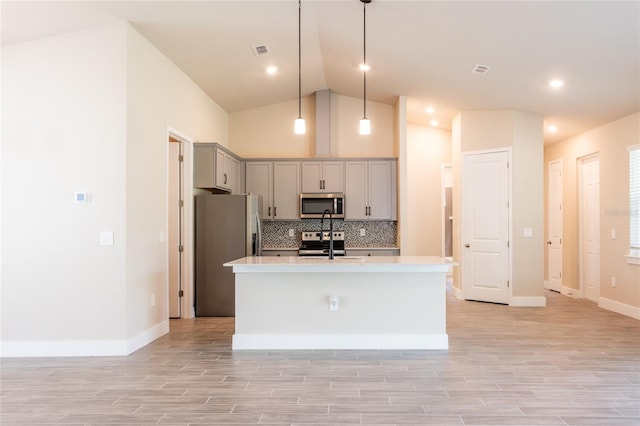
549,242
467,245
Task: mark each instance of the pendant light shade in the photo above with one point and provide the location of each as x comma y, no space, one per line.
299,126
365,124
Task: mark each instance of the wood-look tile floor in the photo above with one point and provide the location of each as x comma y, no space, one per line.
570,363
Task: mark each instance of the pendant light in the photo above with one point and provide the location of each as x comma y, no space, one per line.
365,124
299,126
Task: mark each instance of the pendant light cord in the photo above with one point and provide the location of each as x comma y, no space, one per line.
364,44
299,59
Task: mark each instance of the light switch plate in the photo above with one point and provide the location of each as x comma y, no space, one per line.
363,232
528,232
106,238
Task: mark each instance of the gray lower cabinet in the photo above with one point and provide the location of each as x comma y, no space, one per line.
373,252
293,252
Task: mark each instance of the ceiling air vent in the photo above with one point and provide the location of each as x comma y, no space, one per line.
261,49
480,69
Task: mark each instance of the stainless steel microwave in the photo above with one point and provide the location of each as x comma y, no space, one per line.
313,205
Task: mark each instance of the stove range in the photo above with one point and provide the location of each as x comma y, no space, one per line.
316,243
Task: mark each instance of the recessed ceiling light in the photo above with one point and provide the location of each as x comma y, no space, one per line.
272,69
430,110
552,129
556,83
365,67
434,123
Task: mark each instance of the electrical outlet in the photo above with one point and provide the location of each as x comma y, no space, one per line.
613,281
334,303
153,299
363,232
613,234
291,233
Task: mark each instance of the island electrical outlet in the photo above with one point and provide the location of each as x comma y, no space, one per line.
334,303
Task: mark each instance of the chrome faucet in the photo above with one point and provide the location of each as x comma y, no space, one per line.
330,231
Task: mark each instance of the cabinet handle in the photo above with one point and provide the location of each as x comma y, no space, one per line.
274,212
225,178
269,214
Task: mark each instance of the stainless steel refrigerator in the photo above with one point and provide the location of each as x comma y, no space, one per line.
227,227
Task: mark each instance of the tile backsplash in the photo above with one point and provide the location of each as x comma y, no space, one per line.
377,234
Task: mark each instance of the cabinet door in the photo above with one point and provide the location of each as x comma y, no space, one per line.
223,178
356,197
259,180
333,176
312,176
203,165
232,167
379,190
286,190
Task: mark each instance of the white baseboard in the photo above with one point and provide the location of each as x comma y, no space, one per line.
457,293
147,336
571,292
69,348
620,308
340,341
534,302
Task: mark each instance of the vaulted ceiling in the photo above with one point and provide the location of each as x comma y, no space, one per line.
423,50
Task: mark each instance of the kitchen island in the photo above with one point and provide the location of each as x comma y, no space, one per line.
385,302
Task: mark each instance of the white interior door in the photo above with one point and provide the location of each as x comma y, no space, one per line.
590,226
554,226
176,225
485,227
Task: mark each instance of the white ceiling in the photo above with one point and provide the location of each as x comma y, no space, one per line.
423,50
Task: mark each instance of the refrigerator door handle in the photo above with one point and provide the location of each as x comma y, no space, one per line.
258,236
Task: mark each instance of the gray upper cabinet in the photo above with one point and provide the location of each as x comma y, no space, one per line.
259,180
278,183
323,176
215,168
203,166
286,190
370,190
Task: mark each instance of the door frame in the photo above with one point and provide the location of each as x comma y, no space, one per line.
580,166
186,308
461,240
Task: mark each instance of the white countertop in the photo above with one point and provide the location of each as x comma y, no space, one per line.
261,264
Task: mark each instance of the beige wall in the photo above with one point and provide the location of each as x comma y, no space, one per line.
89,111
520,132
610,142
428,149
267,132
63,130
159,96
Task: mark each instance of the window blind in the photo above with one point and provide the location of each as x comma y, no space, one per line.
634,197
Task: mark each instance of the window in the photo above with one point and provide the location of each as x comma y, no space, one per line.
634,205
